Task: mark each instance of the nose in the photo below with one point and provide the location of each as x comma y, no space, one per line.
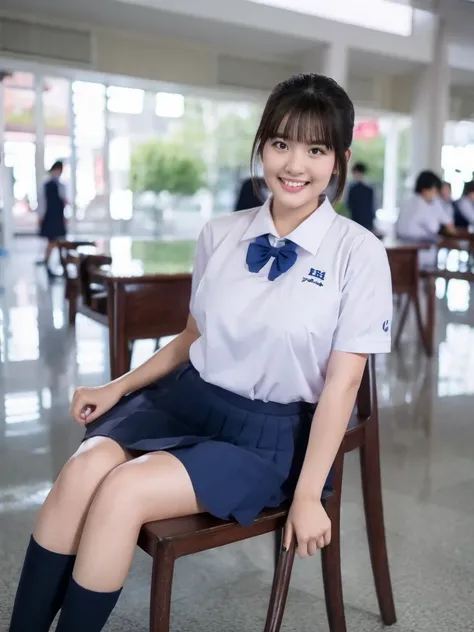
294,163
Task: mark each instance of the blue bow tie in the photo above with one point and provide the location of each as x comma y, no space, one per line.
260,251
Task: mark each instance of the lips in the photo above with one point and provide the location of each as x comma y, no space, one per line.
292,186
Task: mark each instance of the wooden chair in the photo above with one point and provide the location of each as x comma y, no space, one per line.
167,540
93,296
70,260
405,271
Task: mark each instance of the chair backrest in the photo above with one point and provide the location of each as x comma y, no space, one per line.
404,268
157,307
86,264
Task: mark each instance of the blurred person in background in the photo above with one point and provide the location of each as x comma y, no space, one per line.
253,193
447,203
361,198
52,223
464,207
422,218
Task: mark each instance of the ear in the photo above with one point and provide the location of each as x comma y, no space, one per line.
348,156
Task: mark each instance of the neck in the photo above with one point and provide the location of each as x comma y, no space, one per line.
287,220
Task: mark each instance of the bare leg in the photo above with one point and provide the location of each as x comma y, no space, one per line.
62,516
152,487
50,246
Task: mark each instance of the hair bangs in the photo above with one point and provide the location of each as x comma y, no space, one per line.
308,126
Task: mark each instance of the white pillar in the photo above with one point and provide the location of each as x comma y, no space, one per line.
431,106
39,129
6,200
334,63
390,175
73,160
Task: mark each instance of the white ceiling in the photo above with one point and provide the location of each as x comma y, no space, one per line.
229,38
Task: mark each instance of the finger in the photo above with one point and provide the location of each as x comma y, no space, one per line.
288,536
92,414
321,543
302,550
327,538
313,546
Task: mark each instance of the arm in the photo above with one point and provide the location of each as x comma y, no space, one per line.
330,421
363,328
90,403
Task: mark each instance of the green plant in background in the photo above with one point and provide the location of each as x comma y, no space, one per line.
341,208
158,166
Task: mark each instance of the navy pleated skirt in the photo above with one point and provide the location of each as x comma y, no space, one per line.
241,455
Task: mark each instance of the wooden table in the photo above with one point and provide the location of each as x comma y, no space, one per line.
147,290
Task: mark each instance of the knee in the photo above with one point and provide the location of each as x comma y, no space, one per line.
86,469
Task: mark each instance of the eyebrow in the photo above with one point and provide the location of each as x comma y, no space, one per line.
311,142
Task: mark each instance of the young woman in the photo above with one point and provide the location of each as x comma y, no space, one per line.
249,404
53,223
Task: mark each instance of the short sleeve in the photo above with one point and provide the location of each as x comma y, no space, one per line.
201,258
365,314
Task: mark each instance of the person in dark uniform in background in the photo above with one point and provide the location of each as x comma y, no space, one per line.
52,222
360,198
464,207
249,197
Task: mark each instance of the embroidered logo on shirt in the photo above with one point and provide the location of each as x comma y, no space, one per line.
385,326
315,276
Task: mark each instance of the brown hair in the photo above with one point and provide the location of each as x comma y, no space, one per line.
316,110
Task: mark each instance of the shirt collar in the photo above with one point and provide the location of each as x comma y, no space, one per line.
308,235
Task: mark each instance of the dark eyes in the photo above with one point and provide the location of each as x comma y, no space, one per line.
282,146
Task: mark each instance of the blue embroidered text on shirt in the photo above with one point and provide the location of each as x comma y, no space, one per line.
318,274
315,276
385,326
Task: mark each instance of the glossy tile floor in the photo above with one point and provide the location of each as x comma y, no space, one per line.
427,433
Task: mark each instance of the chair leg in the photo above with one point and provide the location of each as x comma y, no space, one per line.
278,543
401,322
424,334
331,566
280,586
372,493
161,586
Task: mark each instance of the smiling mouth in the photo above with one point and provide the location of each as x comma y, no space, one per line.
292,185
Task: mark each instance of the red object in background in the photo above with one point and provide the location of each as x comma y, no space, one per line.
366,129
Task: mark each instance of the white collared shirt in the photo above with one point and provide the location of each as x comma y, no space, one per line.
271,340
419,220
466,208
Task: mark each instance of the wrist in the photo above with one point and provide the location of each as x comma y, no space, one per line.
308,495
120,386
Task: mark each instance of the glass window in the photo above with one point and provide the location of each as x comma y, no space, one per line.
89,138
20,149
57,138
125,100
169,105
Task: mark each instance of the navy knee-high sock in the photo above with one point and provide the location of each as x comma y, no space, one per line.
43,584
85,609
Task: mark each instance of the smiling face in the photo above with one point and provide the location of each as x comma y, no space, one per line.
297,173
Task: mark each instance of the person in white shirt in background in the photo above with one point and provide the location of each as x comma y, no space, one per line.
464,216
422,217
447,202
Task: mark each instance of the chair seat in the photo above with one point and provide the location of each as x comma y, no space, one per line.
205,526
